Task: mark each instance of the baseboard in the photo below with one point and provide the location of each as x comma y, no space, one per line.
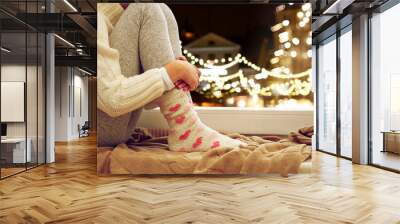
242,120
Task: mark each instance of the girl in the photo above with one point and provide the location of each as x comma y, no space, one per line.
146,37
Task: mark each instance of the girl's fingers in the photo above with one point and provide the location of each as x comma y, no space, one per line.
178,83
181,85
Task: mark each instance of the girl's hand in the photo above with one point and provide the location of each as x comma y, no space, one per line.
184,71
181,84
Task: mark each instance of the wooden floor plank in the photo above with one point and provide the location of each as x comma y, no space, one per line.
69,191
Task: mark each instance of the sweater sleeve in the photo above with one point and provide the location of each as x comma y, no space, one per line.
117,94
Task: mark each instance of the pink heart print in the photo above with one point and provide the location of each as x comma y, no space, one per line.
185,135
197,142
175,108
180,119
215,144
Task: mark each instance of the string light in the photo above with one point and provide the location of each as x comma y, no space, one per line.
278,53
296,41
300,15
274,60
285,23
217,81
309,40
276,27
306,6
283,37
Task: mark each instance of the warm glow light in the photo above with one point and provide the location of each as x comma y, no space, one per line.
293,104
301,24
300,15
218,94
306,6
309,53
276,27
293,54
285,22
274,60
309,40
213,71
230,101
296,41
280,8
278,53
287,45
283,37
241,103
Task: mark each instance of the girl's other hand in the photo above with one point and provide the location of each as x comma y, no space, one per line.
184,71
182,85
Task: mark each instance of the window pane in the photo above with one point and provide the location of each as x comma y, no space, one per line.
346,94
266,64
327,96
14,153
385,83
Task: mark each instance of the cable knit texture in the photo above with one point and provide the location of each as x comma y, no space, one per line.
146,37
118,94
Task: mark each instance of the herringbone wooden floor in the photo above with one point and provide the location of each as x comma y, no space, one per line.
69,191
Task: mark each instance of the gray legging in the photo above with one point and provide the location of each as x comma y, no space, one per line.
146,37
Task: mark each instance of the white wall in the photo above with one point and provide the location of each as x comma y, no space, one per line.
71,94
33,126
242,120
12,73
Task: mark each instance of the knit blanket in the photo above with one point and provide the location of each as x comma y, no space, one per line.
151,156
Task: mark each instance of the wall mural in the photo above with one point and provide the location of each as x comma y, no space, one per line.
172,58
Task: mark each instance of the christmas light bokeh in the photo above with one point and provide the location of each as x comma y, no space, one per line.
283,83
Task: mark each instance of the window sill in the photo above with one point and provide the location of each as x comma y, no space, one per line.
242,120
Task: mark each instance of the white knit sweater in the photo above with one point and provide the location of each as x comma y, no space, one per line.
117,94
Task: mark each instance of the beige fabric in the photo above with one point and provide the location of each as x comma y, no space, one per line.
260,157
